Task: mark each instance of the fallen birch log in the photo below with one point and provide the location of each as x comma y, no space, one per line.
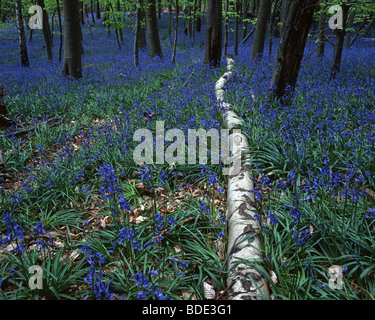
246,283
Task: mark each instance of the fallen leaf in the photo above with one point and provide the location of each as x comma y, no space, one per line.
208,291
188,295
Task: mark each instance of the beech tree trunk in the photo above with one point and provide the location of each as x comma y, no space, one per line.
152,29
198,24
159,9
321,36
46,31
176,33
236,18
226,28
4,122
98,10
291,48
339,45
92,11
21,34
369,27
142,42
349,34
261,28
284,13
136,34
119,27
60,28
214,33
244,17
81,11
72,64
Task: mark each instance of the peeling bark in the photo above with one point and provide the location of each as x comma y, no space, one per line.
243,279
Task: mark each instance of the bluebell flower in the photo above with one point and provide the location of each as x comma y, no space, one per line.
163,177
124,205
372,213
272,217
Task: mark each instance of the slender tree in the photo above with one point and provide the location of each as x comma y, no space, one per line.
119,21
236,21
198,24
214,33
60,28
46,30
175,34
321,33
339,45
142,42
350,32
291,48
245,6
152,29
98,10
261,28
21,35
369,27
226,34
136,34
81,13
4,121
72,64
92,11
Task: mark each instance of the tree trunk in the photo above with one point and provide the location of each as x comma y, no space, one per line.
136,35
60,28
4,122
175,34
152,29
291,48
284,13
244,17
339,45
81,11
98,10
226,28
142,42
214,33
261,28
237,10
159,9
72,64
46,30
271,27
369,27
92,12
194,19
21,35
349,34
119,27
321,36
198,25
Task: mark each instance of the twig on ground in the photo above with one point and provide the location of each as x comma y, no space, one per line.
191,74
33,128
